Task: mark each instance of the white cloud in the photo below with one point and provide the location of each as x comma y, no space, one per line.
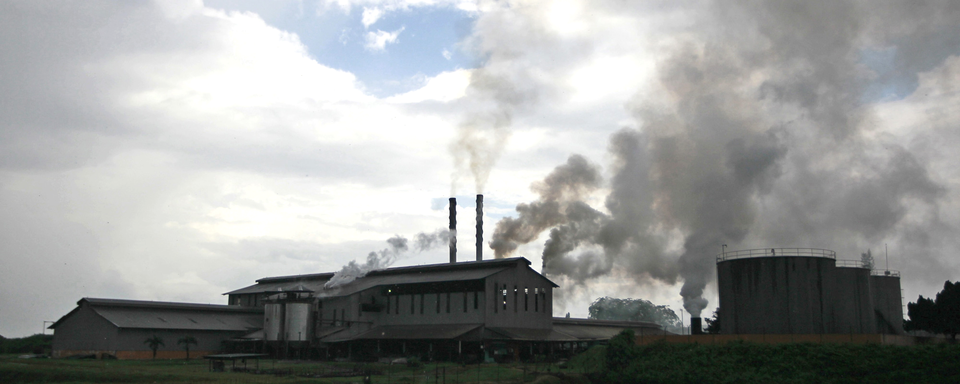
444,87
377,41
370,16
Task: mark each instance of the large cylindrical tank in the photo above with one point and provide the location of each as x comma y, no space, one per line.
775,291
298,321
851,301
273,319
887,301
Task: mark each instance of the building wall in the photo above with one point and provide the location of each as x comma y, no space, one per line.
83,332
519,308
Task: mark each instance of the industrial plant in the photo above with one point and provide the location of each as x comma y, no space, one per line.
483,310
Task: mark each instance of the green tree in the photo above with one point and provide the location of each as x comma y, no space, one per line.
185,342
867,259
154,343
940,315
713,325
610,308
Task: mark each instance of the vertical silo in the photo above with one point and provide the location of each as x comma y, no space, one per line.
775,290
852,302
887,301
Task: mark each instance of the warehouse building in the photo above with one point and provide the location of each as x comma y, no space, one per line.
805,291
119,328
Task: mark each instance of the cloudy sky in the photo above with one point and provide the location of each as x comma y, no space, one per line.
177,150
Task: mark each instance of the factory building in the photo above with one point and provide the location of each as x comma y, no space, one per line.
118,328
488,309
483,310
805,291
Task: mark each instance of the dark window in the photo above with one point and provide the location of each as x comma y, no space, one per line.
397,306
504,297
343,316
360,307
526,299
515,292
496,292
476,300
464,302
438,303
448,302
412,309
421,303
536,299
389,299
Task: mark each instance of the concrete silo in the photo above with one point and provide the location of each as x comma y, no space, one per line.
775,290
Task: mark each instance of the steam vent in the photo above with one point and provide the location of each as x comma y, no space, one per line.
805,291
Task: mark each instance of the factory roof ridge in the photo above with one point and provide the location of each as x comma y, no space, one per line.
405,269
165,305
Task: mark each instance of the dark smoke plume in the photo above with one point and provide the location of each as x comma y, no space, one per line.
756,136
386,257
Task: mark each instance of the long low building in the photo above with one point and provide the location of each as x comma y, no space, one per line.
120,328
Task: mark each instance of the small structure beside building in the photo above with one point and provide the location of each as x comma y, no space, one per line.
119,328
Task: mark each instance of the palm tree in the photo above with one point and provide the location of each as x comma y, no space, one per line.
154,343
185,342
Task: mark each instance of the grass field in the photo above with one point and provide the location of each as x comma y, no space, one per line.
658,363
741,362
15,370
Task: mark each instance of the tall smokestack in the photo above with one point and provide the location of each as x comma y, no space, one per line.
479,227
453,230
696,326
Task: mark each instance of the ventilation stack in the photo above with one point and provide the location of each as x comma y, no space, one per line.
453,230
479,227
696,326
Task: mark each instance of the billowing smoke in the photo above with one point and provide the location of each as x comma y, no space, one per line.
568,183
386,257
756,135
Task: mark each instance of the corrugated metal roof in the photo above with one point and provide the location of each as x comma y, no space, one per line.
180,319
372,280
605,323
469,270
412,332
170,315
528,334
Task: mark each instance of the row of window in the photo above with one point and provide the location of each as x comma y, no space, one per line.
500,295
393,302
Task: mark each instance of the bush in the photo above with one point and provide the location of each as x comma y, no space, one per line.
413,362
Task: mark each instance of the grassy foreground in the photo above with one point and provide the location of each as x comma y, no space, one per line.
619,362
14,370
765,363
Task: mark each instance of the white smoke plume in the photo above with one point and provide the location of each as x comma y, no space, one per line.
386,257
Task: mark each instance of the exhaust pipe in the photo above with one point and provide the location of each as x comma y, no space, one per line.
696,326
479,227
453,230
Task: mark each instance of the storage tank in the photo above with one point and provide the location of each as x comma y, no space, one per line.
298,321
775,290
852,300
273,320
887,301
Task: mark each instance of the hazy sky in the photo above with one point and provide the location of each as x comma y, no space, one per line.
177,150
